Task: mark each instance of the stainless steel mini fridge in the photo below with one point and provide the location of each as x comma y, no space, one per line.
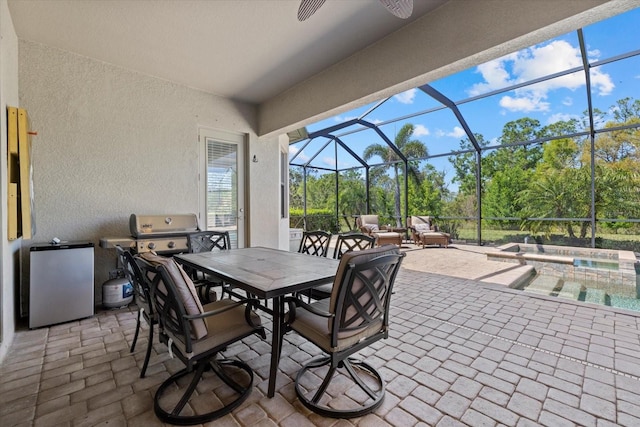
61,285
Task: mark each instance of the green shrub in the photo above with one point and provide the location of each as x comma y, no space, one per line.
317,219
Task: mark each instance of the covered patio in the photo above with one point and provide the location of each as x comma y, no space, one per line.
461,352
463,349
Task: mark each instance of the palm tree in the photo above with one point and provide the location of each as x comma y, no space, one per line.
411,148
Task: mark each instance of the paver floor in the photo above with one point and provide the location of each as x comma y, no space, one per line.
460,352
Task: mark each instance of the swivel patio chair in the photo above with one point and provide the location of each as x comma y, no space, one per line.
315,243
207,241
347,242
196,335
356,316
142,294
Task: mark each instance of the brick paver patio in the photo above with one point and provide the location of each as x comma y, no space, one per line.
460,352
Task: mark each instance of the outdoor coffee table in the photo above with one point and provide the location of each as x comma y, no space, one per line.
267,274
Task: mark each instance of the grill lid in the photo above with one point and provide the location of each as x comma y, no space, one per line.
157,225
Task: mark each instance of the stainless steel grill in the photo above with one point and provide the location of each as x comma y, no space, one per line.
163,234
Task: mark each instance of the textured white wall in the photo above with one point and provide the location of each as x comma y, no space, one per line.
112,142
9,251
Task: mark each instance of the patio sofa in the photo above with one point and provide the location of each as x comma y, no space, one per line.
425,232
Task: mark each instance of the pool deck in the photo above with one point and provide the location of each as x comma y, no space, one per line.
461,352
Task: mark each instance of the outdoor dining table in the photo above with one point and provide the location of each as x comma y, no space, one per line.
267,274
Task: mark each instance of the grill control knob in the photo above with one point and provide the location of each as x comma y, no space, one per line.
171,245
151,246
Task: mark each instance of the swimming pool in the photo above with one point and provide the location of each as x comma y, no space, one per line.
599,276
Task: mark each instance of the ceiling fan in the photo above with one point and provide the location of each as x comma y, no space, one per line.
400,8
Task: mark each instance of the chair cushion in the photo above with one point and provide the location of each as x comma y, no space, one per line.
185,288
368,220
223,328
317,329
415,220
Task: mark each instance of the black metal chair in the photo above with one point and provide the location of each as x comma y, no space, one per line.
207,241
347,242
356,316
315,243
196,335
143,301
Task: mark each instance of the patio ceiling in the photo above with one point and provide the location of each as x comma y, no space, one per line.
297,72
243,50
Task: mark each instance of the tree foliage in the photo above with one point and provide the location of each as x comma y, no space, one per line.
539,175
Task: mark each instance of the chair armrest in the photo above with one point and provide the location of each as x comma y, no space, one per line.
294,303
247,302
211,312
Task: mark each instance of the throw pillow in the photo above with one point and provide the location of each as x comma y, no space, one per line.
422,227
371,228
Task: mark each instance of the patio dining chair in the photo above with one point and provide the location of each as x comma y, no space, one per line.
207,241
346,242
143,301
354,317
315,243
197,335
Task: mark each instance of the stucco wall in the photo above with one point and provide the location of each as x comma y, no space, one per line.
9,251
112,142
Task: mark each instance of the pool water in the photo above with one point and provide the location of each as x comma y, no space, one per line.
592,263
602,293
599,276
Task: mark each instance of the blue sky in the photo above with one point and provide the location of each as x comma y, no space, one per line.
548,101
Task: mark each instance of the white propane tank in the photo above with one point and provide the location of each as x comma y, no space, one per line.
117,293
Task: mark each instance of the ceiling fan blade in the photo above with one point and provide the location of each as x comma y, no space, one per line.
400,8
308,8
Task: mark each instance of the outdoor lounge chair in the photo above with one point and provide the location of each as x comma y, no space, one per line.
368,224
425,232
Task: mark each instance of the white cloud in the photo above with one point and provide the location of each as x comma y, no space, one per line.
301,157
602,82
329,161
420,130
525,104
406,97
495,76
561,117
341,119
568,101
535,62
457,132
